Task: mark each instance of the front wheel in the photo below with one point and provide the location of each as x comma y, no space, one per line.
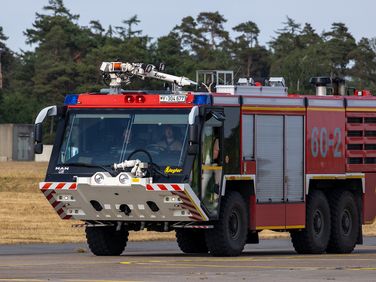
191,241
315,237
106,240
229,234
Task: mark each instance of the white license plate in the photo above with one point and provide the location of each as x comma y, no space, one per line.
172,98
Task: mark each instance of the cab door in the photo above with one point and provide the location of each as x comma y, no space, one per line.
211,160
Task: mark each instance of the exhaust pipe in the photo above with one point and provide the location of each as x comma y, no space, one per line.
321,83
339,86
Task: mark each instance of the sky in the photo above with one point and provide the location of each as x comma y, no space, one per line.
159,17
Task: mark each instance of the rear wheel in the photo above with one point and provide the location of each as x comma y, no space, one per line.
229,234
106,241
191,241
344,222
315,237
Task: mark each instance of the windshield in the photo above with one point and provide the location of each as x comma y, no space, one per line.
112,136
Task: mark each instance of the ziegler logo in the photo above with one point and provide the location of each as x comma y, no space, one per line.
168,169
61,169
160,76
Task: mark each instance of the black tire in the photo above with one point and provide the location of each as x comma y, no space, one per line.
106,241
344,221
315,237
229,234
191,241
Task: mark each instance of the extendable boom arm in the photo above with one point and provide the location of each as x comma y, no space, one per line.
122,73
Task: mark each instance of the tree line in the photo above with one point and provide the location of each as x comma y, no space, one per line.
67,56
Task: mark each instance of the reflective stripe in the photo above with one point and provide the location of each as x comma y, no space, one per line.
47,185
257,108
211,167
325,103
58,206
361,109
238,177
280,227
330,109
361,103
274,101
226,100
337,176
165,187
58,185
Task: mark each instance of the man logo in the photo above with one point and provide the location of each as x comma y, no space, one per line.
61,169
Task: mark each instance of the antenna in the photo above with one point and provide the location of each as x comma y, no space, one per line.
1,72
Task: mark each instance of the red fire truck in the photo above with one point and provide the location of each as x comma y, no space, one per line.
217,168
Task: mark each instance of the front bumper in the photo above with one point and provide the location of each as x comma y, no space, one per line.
146,201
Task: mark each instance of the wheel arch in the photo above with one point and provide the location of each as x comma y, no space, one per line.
349,182
355,186
244,185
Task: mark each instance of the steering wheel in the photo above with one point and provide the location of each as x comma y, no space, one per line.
140,151
155,148
154,167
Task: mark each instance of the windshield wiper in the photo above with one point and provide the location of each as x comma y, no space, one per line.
104,167
156,169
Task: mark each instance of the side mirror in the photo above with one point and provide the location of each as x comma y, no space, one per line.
193,139
38,133
193,133
38,138
38,128
38,148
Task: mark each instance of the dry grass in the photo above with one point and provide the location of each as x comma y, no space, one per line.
21,176
27,217
370,229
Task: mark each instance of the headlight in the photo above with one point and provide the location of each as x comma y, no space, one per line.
99,178
123,178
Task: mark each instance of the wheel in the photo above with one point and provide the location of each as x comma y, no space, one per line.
315,237
229,234
191,241
344,221
106,241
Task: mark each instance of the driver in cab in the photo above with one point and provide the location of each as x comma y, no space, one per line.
169,141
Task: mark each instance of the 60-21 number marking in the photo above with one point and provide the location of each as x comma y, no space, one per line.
321,143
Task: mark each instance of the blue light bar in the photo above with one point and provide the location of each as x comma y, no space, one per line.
71,99
202,99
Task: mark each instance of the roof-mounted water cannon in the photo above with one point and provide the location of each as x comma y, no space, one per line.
118,74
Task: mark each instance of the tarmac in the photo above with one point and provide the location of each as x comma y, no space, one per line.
271,260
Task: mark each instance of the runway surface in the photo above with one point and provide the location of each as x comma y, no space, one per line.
271,260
